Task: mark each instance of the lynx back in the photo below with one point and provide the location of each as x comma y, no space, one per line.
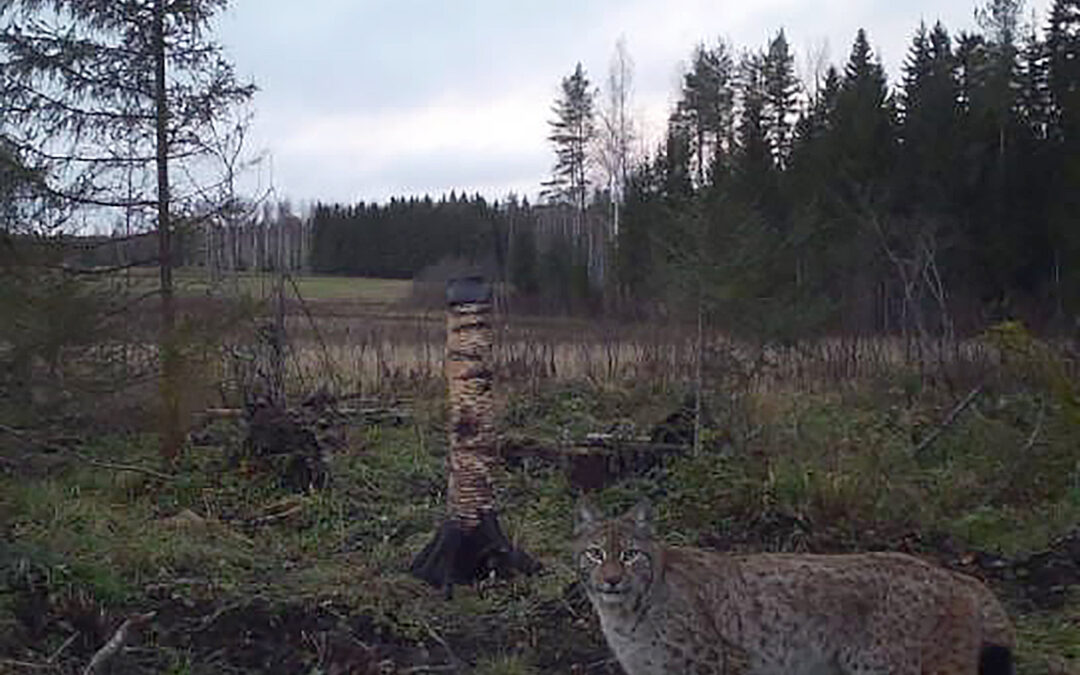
681,610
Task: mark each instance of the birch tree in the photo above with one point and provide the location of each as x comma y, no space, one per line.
617,132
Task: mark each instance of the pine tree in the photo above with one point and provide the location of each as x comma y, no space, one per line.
572,131
754,158
706,106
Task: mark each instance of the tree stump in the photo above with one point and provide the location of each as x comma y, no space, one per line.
470,545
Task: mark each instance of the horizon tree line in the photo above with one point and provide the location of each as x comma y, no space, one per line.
934,204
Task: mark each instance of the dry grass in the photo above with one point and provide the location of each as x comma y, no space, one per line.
369,353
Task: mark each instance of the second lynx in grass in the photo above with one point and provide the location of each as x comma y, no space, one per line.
682,610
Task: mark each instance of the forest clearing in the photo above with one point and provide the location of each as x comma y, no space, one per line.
346,381
237,567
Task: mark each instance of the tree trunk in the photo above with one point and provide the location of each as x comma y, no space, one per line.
699,349
171,437
470,545
278,355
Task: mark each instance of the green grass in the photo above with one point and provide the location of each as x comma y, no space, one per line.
504,665
1051,637
194,282
840,466
357,289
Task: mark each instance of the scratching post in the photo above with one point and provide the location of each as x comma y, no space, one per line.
469,545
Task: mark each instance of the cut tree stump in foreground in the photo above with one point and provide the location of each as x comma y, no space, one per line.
470,545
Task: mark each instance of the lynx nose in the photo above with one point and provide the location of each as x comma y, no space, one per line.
611,576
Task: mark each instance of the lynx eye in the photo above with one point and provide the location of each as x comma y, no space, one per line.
630,555
594,554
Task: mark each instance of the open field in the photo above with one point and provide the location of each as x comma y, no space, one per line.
196,282
837,445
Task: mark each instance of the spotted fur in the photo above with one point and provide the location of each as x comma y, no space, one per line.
683,610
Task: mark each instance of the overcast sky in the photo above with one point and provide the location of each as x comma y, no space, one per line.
365,99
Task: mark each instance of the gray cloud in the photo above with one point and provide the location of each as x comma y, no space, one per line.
361,100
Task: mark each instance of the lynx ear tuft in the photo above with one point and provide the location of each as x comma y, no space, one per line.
585,515
641,515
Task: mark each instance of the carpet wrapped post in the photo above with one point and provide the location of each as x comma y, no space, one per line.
470,545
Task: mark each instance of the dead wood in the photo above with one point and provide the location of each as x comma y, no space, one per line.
117,641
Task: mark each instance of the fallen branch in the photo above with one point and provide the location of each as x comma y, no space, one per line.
1035,432
26,664
209,620
124,467
117,641
415,670
60,650
366,415
277,516
948,421
455,662
281,510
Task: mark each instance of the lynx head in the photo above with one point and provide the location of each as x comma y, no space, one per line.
616,559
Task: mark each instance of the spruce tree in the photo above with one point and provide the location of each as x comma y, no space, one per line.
1033,87
635,256
676,160
1063,50
781,97
928,114
112,97
863,120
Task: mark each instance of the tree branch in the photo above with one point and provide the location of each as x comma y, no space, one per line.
948,422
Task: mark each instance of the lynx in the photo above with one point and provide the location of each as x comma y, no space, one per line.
683,610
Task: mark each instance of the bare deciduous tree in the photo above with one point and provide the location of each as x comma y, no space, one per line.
617,131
